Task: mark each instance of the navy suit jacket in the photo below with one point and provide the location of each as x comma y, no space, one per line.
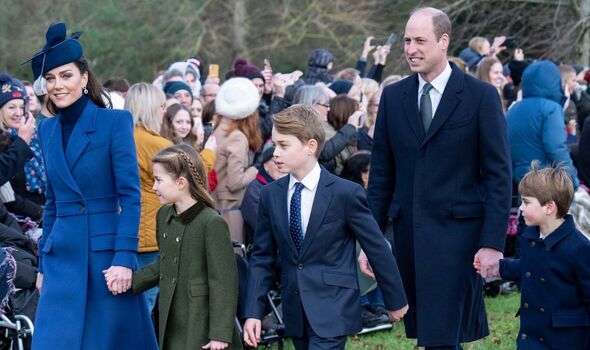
448,193
321,280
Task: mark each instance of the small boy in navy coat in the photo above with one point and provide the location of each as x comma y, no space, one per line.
554,267
313,219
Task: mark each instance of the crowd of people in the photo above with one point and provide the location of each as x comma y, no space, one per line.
139,189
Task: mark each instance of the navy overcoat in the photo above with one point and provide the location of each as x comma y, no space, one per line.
448,192
90,223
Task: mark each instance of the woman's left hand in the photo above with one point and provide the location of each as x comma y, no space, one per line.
215,345
118,279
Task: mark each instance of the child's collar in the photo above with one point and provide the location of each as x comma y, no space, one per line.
566,228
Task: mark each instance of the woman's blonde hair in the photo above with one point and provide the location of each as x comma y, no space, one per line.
183,160
144,101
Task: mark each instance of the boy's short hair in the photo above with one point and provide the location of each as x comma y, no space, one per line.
303,122
549,184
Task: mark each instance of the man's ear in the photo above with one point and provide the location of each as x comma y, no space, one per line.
551,208
444,41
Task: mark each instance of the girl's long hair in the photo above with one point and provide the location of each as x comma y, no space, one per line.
168,131
183,160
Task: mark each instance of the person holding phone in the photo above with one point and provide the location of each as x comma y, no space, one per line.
28,183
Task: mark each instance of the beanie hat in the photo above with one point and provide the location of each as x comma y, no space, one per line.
10,89
237,99
587,76
341,86
245,70
58,50
171,87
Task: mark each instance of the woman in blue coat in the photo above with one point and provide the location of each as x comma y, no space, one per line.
92,212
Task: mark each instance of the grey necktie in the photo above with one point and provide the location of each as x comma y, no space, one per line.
426,106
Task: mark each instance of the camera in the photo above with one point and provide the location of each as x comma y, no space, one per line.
511,42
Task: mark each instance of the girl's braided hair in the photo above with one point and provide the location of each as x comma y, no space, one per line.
183,160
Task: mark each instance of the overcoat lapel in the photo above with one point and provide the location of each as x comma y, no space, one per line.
56,156
79,139
321,203
448,103
410,106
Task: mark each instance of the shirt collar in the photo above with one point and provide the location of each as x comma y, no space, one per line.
437,83
310,181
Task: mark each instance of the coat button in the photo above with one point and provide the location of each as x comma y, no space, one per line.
542,310
533,244
296,291
82,207
523,336
176,260
527,274
542,279
526,305
542,340
165,235
177,239
300,267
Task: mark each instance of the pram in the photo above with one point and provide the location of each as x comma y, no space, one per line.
18,329
273,327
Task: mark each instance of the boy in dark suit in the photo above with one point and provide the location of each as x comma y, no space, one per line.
554,267
313,220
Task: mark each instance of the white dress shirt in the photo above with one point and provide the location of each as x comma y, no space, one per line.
438,87
310,185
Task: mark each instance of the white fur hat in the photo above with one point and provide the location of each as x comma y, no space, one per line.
237,99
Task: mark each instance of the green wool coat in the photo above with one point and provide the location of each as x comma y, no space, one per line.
197,275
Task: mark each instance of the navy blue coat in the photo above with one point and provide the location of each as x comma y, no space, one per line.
90,223
448,192
321,280
555,278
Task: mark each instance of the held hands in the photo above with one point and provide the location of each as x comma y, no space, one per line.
215,345
118,279
252,329
487,262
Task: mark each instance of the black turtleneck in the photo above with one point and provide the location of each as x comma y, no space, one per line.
69,117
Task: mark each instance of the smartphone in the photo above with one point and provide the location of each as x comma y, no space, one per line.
391,40
511,42
362,119
213,70
266,62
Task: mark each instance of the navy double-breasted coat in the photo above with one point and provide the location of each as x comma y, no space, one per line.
90,223
448,192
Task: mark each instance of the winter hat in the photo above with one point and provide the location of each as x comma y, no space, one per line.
578,67
245,70
172,86
587,76
57,51
237,99
10,89
341,86
320,58
267,153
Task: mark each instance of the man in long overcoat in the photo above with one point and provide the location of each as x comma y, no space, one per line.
441,171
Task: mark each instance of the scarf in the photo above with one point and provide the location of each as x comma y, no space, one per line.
35,175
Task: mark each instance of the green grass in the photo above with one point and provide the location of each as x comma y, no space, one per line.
503,331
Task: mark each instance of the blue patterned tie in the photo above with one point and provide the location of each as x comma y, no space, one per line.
295,226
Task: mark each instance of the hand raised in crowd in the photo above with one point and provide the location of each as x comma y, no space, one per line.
367,48
355,119
327,90
252,329
487,262
497,45
380,55
365,266
518,55
211,143
397,315
26,128
215,345
118,279
572,127
282,81
267,74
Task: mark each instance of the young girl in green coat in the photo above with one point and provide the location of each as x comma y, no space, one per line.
196,270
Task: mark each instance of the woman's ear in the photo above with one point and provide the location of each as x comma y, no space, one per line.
182,183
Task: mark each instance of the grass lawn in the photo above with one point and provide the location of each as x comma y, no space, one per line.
503,331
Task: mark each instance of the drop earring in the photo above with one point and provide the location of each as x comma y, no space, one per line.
85,90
